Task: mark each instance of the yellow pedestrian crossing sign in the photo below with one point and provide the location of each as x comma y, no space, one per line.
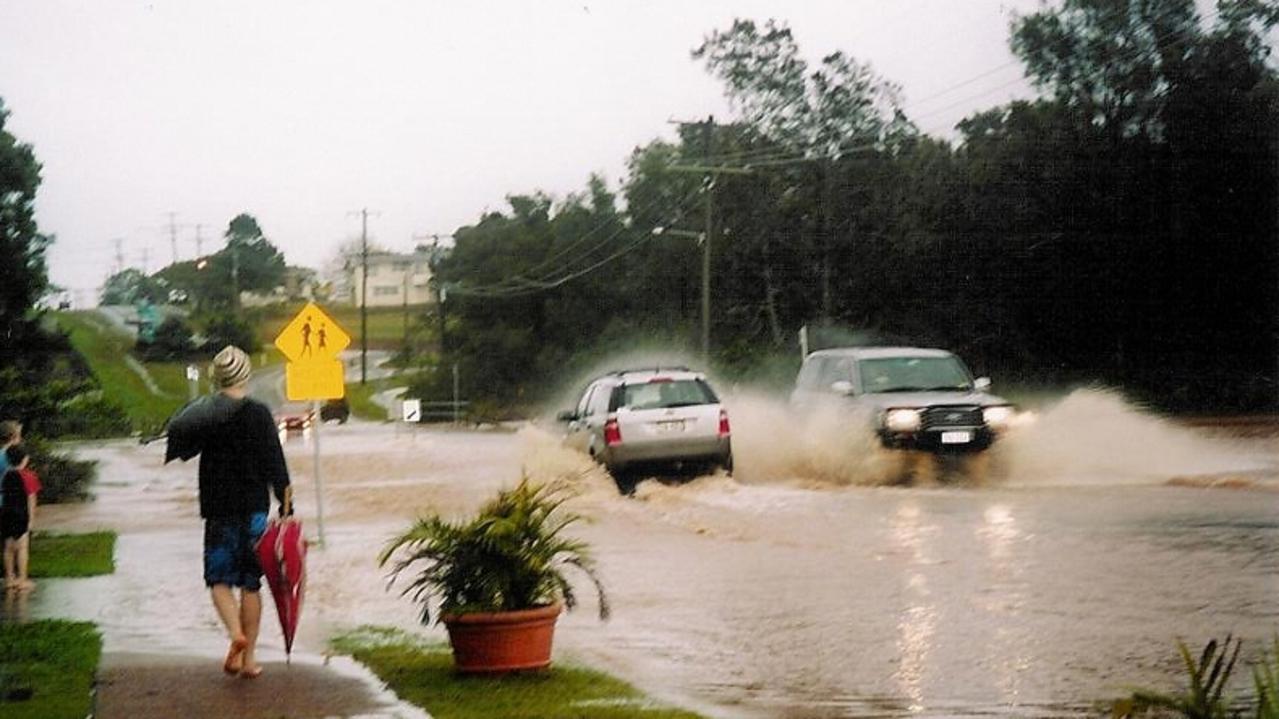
311,342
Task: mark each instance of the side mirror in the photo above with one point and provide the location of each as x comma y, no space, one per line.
843,387
981,384
567,415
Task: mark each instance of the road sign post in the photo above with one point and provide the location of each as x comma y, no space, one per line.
311,342
193,382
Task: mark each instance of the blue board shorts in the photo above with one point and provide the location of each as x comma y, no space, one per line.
231,551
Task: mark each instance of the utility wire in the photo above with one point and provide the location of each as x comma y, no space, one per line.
526,286
521,283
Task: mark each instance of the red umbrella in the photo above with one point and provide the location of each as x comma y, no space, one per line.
282,553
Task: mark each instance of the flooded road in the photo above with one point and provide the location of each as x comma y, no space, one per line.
1055,577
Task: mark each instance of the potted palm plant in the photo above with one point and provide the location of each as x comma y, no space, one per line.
499,576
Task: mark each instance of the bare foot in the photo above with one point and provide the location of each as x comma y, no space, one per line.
25,585
234,663
251,671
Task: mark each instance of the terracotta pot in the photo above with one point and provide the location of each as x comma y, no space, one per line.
502,641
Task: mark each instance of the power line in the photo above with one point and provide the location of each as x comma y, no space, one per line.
522,285
501,290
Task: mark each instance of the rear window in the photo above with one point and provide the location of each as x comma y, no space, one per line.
663,394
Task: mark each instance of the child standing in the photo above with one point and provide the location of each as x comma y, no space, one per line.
18,487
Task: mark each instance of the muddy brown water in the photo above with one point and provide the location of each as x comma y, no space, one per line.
1055,576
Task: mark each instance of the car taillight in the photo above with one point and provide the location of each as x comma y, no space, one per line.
612,433
724,430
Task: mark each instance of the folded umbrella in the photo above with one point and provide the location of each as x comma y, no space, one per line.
282,553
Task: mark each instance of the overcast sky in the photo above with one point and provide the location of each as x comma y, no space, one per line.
426,112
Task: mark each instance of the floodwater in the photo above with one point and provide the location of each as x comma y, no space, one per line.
822,581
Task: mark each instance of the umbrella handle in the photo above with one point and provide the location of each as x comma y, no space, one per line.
286,508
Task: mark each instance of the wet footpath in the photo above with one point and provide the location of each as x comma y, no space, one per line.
162,644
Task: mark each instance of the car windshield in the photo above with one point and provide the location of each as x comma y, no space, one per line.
662,394
913,374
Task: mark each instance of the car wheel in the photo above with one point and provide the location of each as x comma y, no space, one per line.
726,463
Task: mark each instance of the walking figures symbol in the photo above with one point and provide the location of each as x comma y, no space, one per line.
311,342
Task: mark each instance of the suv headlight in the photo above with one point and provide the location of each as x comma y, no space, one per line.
902,420
998,417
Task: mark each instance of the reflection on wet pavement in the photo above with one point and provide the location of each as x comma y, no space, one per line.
772,597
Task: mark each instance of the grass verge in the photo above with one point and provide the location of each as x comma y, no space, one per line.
72,555
47,669
422,673
386,324
104,348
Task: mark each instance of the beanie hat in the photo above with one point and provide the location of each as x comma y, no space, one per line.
231,366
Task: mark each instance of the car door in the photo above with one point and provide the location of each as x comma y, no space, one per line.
578,429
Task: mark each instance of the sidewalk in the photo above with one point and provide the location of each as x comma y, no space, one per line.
157,685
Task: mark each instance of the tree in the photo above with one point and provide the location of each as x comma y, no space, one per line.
248,263
131,285
23,275
842,107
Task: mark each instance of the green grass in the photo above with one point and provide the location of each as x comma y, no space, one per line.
104,347
47,669
360,398
423,674
386,324
72,555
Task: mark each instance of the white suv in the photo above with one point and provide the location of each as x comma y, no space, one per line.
916,398
642,417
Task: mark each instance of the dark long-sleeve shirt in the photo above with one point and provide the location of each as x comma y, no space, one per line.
241,463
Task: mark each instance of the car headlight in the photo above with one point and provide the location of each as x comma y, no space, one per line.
902,420
998,417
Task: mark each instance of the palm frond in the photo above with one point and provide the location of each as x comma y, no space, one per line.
510,555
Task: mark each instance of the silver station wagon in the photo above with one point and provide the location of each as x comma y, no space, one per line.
915,398
634,419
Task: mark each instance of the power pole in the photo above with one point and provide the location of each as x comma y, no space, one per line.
199,241
146,259
173,235
707,129
441,292
406,308
364,295
119,254
710,171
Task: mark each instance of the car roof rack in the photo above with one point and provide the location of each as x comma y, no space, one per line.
658,368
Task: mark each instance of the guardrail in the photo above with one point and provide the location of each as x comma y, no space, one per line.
451,410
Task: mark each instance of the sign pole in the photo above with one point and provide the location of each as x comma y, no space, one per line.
312,342
316,423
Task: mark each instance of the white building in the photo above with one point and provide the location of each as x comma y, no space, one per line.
393,277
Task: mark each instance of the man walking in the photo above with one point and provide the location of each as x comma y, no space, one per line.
241,465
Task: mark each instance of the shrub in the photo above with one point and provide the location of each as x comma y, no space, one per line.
223,330
64,478
173,341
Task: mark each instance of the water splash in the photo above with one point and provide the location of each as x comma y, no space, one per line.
1095,436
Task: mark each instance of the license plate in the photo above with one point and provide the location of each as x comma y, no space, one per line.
676,425
956,437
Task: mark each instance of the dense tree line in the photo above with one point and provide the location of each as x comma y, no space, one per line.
1122,228
43,383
